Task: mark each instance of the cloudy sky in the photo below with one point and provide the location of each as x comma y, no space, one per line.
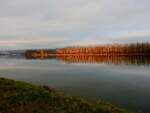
58,23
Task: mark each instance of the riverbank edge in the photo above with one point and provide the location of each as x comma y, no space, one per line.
22,97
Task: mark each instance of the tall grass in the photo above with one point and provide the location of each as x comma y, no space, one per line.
20,97
110,49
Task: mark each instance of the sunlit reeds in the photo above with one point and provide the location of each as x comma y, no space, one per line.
111,49
137,53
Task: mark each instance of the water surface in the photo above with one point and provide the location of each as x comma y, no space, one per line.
122,81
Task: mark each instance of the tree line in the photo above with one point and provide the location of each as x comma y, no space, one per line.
109,49
38,53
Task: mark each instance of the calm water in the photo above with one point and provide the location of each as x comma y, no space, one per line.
122,81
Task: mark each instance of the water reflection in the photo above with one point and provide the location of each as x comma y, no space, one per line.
127,60
125,85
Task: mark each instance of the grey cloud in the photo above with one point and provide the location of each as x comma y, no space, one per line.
68,20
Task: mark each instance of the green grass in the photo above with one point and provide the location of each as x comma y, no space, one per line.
20,97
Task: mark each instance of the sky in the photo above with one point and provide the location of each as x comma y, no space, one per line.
28,24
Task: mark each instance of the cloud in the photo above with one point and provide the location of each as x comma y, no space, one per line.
72,22
33,42
123,37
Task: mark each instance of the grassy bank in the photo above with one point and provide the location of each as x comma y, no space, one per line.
20,97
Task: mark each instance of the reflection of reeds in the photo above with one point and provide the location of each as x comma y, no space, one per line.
109,59
116,54
135,60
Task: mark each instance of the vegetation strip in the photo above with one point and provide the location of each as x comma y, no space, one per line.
135,49
20,97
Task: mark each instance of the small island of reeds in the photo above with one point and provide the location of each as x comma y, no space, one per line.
108,49
134,49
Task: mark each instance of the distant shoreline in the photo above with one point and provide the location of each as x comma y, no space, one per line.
136,49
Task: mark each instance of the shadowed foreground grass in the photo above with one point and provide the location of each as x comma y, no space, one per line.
20,97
